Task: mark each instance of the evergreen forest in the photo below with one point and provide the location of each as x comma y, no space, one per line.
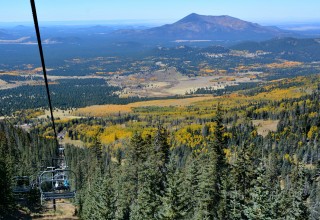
225,170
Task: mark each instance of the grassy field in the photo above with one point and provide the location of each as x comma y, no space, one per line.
104,110
59,114
77,143
264,126
65,210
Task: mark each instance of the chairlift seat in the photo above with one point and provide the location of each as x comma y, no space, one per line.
53,195
21,189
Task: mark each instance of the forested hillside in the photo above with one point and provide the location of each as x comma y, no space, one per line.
121,111
236,174
211,162
21,154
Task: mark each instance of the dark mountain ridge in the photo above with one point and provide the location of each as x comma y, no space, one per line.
205,27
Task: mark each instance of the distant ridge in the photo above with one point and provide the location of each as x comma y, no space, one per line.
206,27
303,49
3,34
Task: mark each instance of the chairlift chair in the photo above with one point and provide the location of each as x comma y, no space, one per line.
21,184
57,184
21,187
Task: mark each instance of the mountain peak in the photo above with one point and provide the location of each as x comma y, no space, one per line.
190,18
223,20
207,27
192,14
198,16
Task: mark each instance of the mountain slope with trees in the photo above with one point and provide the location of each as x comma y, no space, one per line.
224,170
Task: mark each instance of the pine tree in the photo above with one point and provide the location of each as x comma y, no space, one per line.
206,205
315,195
151,179
138,149
225,199
241,176
124,193
216,153
161,155
291,199
259,204
173,202
190,185
147,202
211,193
299,210
100,201
6,198
127,181
315,201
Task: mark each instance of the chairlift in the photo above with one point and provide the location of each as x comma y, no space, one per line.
21,184
57,181
57,184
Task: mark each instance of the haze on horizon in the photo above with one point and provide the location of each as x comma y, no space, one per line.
165,11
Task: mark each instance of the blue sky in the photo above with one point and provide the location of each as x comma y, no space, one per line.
263,11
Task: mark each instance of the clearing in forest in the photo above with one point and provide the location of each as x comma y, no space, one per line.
65,210
264,126
104,110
